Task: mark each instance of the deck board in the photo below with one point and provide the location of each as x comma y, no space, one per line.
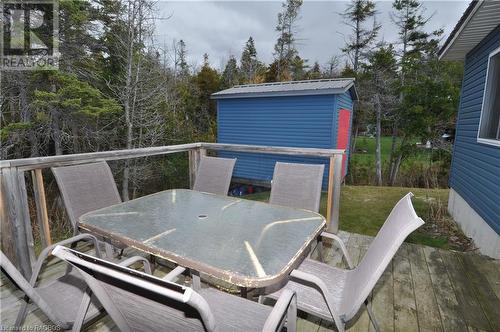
471,308
428,315
447,302
423,289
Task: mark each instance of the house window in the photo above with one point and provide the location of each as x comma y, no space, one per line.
489,128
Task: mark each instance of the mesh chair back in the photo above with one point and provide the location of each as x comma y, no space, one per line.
214,175
140,302
86,188
402,221
297,185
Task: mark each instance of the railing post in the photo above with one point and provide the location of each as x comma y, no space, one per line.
201,153
192,167
16,200
7,240
333,198
194,161
41,207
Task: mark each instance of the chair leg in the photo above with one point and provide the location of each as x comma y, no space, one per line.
291,316
196,280
21,315
82,311
372,316
319,247
109,250
153,261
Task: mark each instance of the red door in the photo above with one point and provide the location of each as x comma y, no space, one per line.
343,135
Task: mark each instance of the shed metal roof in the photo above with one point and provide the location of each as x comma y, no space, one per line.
291,88
478,20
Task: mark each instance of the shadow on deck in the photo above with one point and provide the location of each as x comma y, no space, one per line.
423,289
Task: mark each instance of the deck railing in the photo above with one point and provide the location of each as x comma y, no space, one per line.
15,225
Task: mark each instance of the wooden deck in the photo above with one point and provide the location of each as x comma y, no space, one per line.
423,289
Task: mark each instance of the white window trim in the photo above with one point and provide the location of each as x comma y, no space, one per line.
488,141
479,139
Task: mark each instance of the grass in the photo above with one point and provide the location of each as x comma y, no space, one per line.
363,209
365,147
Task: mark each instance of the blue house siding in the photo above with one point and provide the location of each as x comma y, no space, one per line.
295,121
475,171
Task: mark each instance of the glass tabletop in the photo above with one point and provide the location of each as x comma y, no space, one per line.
246,243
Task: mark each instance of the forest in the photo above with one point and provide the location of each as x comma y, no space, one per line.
117,88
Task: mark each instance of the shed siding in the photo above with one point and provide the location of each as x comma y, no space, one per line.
475,172
298,121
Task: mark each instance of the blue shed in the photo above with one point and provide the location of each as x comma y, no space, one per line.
309,114
474,200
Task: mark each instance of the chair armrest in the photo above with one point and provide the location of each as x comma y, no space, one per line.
132,260
48,250
342,247
286,301
174,273
307,278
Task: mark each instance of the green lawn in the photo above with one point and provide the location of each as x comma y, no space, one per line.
365,147
363,209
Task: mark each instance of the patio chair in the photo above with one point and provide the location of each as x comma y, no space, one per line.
214,175
297,185
64,300
140,302
336,294
85,188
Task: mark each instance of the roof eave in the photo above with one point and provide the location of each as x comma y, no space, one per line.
287,93
455,34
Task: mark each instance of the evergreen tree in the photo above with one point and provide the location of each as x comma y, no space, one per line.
181,59
67,107
417,46
357,13
285,47
207,81
298,68
230,74
250,65
315,72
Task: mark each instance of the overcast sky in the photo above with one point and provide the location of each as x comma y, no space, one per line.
221,28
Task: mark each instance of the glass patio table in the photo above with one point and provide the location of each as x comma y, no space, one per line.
246,243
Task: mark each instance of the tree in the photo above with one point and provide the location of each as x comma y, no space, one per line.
250,65
357,13
315,72
230,74
134,77
65,109
298,68
381,72
332,67
417,46
207,81
285,47
181,59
